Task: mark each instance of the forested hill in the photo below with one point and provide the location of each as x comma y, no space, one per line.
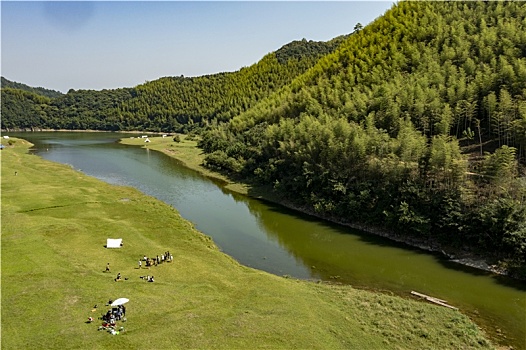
371,133
181,103
170,103
38,90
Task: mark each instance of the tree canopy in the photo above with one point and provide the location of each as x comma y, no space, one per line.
38,90
175,103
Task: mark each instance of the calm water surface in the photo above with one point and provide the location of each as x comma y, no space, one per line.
282,242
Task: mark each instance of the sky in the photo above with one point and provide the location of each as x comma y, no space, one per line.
111,44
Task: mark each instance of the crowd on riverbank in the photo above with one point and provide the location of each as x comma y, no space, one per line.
157,260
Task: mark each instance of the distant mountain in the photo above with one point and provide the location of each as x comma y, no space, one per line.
181,103
37,90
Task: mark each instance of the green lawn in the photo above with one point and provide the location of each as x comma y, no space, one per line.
187,152
55,222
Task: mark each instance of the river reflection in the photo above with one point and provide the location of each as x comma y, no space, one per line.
283,242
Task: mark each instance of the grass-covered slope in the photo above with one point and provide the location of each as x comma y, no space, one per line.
55,222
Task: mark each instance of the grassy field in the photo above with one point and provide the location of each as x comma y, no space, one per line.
55,222
192,157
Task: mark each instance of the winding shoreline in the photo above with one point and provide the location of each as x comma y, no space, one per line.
464,258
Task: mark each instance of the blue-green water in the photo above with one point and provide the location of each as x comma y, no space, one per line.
280,241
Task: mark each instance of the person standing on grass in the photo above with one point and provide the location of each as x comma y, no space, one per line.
140,263
108,267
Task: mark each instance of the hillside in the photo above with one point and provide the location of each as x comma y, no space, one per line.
415,124
22,109
175,103
38,90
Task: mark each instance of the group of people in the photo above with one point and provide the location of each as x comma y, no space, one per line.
115,314
157,260
110,318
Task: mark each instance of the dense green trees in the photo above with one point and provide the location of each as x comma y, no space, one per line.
89,109
23,109
371,132
177,103
5,83
182,104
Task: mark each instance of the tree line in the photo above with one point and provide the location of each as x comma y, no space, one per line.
169,104
5,83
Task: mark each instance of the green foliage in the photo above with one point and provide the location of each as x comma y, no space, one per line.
23,109
219,160
39,90
501,165
89,109
301,49
501,226
178,104
370,132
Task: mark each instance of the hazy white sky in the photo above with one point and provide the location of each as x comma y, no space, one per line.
111,44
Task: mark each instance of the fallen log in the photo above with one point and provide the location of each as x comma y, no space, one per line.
434,300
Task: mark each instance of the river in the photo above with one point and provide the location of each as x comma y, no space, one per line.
283,242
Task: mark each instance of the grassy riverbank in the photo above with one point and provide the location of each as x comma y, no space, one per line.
55,222
189,154
192,157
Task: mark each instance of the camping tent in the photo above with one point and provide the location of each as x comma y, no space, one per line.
113,243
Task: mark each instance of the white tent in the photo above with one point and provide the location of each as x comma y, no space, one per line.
113,243
120,301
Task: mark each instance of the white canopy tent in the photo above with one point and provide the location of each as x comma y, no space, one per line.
113,242
119,301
